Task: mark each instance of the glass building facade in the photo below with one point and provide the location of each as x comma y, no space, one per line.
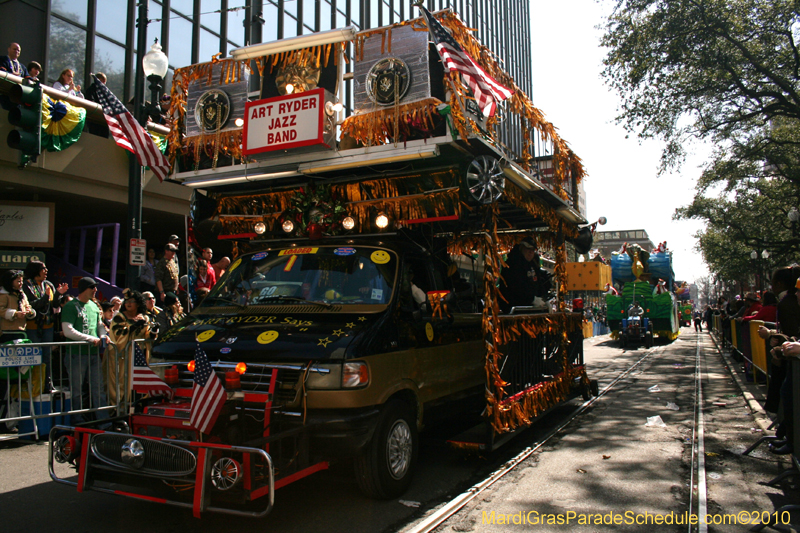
100,35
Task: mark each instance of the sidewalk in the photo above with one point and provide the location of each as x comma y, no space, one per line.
609,466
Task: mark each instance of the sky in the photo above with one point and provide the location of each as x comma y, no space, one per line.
622,183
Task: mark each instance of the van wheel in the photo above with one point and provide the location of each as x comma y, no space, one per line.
385,467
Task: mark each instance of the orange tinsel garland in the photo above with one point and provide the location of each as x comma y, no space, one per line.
537,208
566,164
392,124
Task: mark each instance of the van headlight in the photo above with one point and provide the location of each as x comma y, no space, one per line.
355,375
337,376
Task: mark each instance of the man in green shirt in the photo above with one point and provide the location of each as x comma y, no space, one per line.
81,320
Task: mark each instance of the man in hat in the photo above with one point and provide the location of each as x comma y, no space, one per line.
175,241
81,320
524,282
751,307
167,272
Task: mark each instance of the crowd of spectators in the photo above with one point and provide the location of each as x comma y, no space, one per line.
33,309
778,308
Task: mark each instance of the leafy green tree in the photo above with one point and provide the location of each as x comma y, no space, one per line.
750,216
723,70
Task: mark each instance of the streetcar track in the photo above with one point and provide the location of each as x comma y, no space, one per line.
459,502
698,448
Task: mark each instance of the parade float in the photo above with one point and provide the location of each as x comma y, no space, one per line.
361,305
645,278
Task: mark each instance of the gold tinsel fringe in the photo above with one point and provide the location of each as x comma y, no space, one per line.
520,411
382,126
402,198
537,208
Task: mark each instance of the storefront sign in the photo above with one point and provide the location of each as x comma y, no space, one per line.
18,259
27,224
284,122
20,355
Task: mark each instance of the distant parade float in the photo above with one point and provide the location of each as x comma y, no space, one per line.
644,278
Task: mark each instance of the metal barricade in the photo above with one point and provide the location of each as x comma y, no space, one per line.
51,383
758,351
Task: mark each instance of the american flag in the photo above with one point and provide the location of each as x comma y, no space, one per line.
486,89
126,131
144,379
208,394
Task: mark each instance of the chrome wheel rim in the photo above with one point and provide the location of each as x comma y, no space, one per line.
399,449
485,179
225,473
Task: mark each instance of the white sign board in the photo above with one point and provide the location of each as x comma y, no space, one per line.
20,355
27,223
284,122
138,252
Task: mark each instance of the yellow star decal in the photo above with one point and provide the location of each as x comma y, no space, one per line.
338,332
362,318
324,342
350,325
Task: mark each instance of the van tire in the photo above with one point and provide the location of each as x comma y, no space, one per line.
385,467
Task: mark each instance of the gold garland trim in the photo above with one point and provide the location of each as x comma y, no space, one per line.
401,198
381,126
520,411
534,206
566,164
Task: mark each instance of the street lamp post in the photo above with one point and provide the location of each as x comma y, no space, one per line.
754,267
154,65
764,270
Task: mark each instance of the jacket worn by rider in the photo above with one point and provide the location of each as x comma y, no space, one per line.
522,281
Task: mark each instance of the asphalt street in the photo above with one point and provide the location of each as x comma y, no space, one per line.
605,460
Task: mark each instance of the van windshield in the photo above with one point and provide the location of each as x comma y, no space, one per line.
327,275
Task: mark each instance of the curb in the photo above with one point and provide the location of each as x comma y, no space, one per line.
759,414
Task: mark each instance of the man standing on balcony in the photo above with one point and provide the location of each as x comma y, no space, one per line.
11,64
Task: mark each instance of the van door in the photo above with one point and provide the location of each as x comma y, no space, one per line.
445,354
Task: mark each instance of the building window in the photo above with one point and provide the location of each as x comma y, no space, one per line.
180,42
154,13
74,10
209,45
109,58
67,50
184,7
112,19
236,21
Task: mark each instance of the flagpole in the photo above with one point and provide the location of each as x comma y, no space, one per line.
134,168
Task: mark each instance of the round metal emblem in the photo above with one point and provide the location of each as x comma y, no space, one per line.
212,110
388,81
133,453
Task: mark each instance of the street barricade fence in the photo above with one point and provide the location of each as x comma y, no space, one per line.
67,383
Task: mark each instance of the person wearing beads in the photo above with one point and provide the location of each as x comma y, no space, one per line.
11,64
46,299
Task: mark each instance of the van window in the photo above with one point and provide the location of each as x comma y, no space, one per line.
322,274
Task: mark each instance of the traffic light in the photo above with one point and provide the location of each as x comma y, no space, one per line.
27,117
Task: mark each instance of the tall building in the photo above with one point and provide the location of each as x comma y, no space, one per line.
87,183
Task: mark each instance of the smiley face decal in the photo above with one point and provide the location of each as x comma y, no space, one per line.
205,335
267,337
380,257
429,331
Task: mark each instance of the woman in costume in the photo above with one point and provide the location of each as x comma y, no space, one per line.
131,323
